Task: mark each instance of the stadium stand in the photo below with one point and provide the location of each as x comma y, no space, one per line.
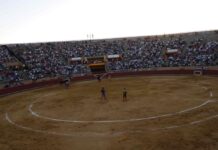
46,60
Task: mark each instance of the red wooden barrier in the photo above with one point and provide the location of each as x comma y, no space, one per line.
6,91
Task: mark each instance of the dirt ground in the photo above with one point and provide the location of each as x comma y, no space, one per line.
161,113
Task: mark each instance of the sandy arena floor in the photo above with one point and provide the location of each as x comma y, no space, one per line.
162,113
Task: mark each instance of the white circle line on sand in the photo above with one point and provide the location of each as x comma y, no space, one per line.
110,134
75,134
117,121
190,123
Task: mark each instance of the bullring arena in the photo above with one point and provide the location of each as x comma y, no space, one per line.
164,110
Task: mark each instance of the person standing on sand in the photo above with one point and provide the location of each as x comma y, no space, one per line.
124,95
103,94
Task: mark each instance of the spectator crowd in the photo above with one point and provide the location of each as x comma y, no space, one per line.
51,59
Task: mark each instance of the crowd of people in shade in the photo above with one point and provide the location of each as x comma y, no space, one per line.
51,59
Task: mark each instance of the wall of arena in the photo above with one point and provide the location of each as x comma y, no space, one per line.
162,71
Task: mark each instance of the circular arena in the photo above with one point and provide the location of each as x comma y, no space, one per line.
139,93
161,112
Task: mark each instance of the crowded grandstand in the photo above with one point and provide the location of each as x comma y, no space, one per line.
35,61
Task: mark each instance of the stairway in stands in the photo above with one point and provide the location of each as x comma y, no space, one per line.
11,52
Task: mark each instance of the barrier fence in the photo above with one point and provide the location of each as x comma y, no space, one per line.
39,84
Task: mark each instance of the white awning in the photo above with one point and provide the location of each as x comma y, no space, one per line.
76,59
169,51
113,56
